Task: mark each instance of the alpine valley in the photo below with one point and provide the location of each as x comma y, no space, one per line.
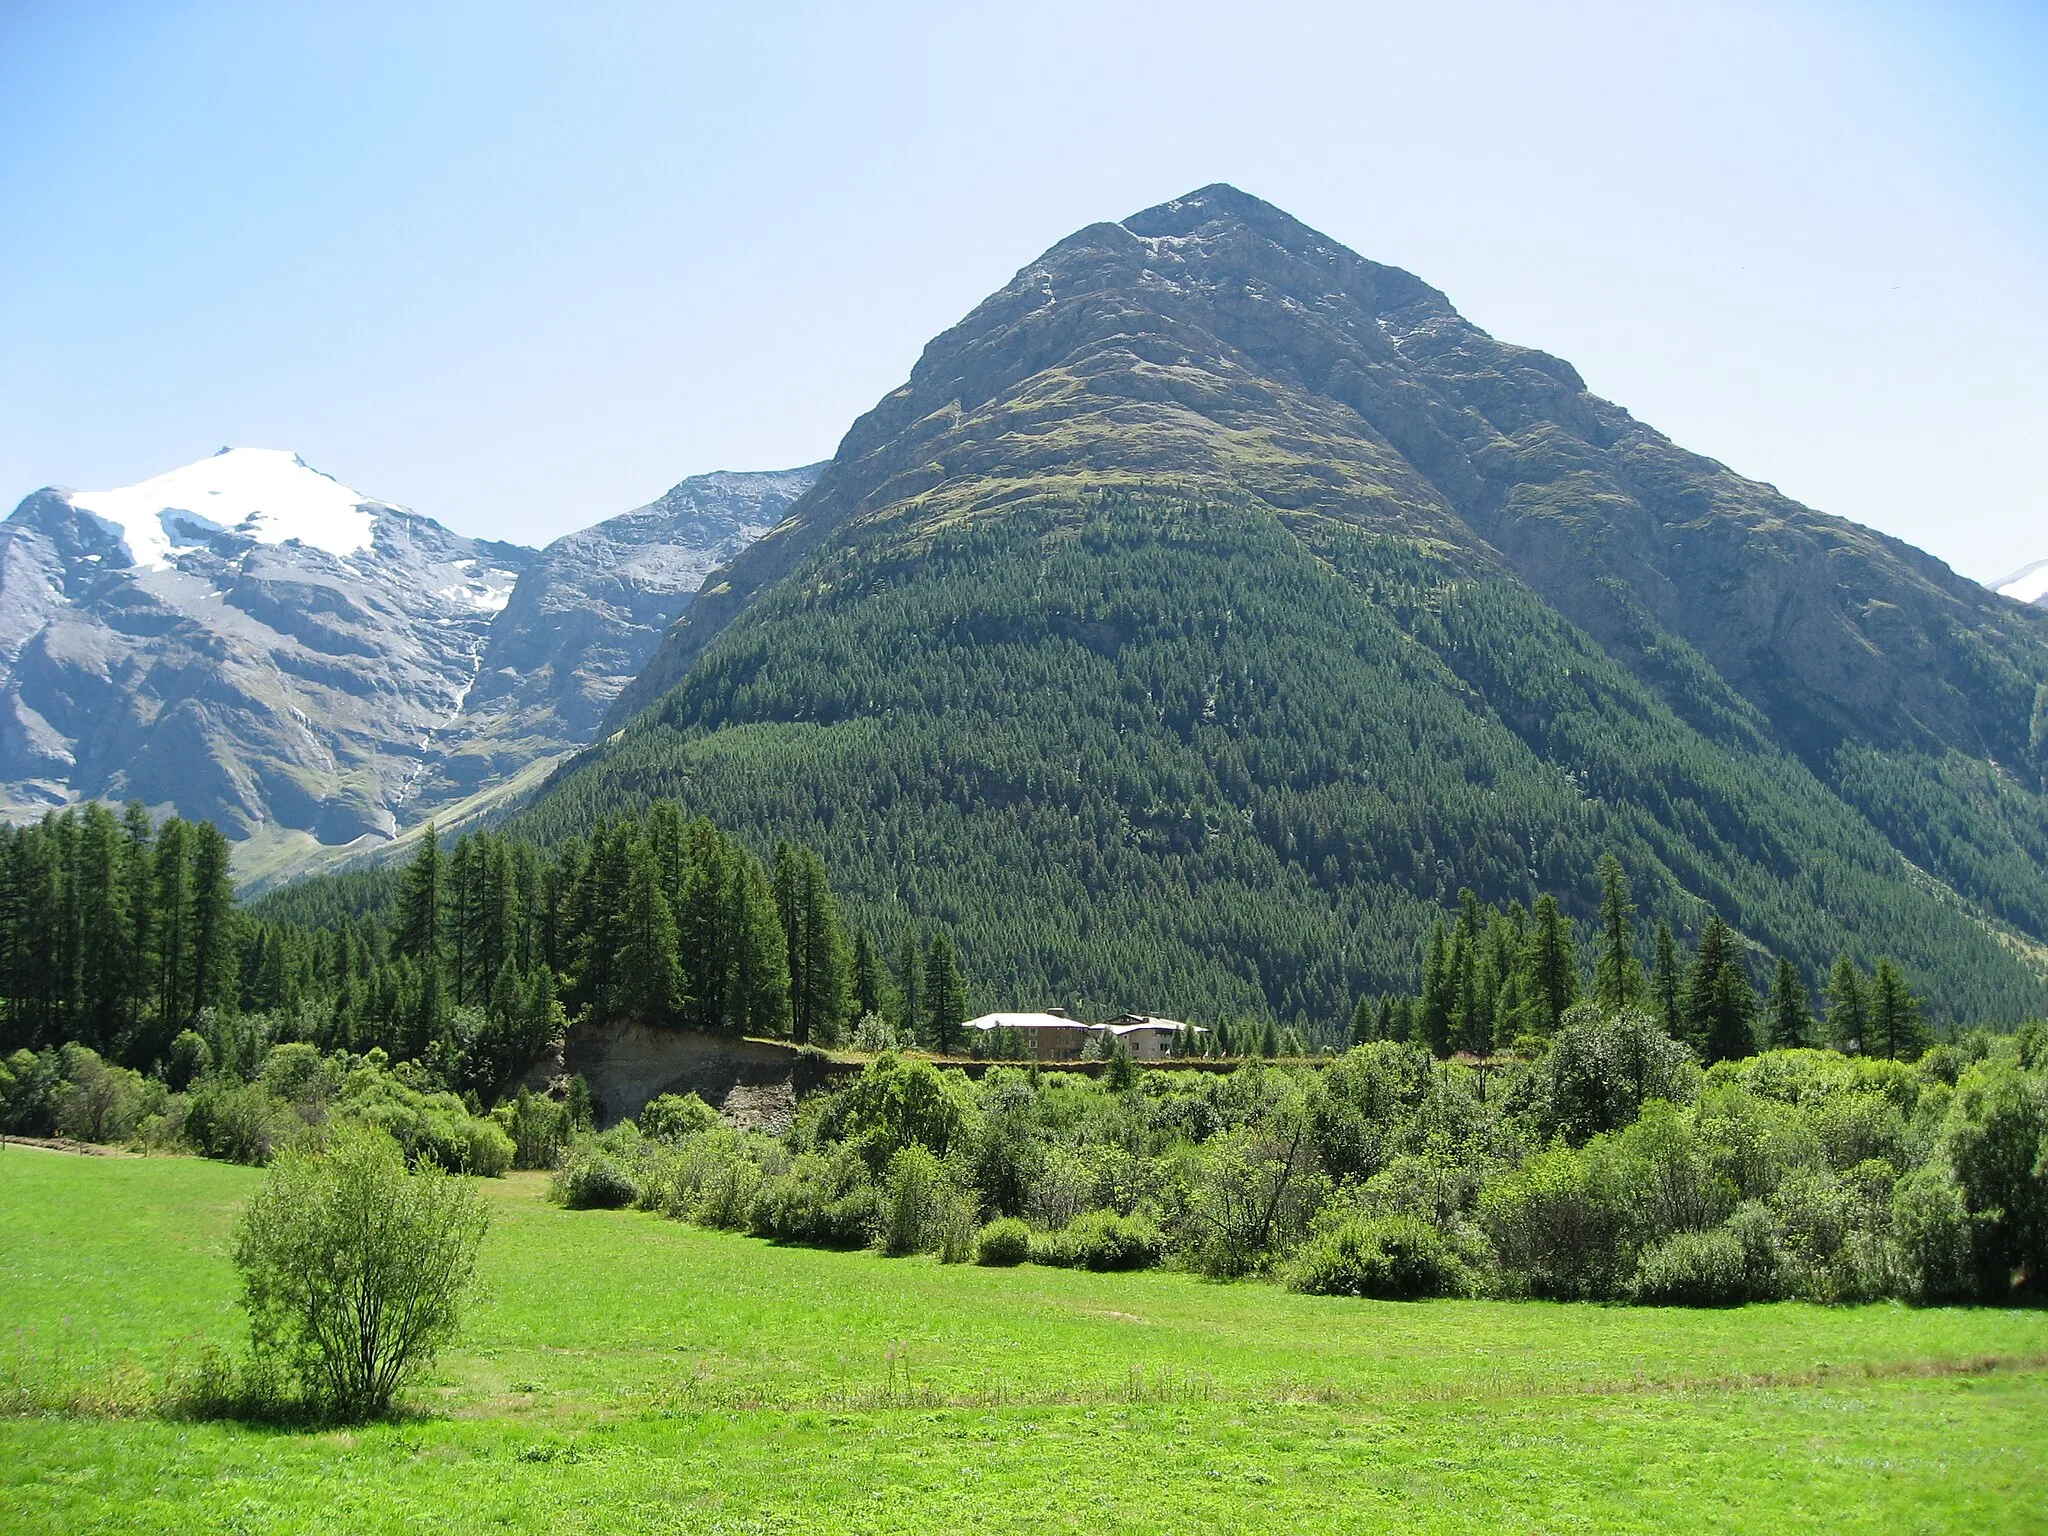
249,641
1212,605
1209,609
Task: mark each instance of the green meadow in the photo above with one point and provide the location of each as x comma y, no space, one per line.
621,1372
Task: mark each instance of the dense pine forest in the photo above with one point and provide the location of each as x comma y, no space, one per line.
126,938
1197,760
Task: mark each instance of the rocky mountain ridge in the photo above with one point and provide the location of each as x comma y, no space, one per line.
246,639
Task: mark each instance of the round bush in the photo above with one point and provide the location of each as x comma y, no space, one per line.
592,1181
1391,1258
1102,1240
1003,1242
1693,1269
673,1116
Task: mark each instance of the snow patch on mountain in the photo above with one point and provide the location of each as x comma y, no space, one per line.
2028,585
268,495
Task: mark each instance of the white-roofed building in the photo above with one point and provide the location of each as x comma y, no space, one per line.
1149,1038
1048,1036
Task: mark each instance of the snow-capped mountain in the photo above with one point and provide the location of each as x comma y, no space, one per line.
249,640
2029,584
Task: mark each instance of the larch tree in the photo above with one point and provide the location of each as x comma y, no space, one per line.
1617,976
1790,1019
1848,1017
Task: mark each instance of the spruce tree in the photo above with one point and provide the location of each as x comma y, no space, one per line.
1362,1018
1848,1016
1617,977
758,1002
1553,964
173,908
945,993
1720,1003
213,915
1439,1004
1791,1020
649,980
417,928
909,986
869,979
1667,980
1895,1027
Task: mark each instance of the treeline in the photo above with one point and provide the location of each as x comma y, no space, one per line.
122,937
1503,979
115,933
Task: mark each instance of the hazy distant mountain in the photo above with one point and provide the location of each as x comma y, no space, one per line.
247,639
1212,603
2029,584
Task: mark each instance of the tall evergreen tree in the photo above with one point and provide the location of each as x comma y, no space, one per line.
1667,980
1553,964
1791,1020
417,931
816,940
870,979
758,999
1617,977
1895,1027
213,913
650,985
1720,1003
909,985
945,993
1848,1016
173,910
1440,986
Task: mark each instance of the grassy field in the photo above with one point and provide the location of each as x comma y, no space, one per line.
621,1372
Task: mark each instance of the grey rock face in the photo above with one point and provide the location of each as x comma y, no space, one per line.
589,612
271,651
227,673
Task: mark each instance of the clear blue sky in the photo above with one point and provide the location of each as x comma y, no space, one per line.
522,267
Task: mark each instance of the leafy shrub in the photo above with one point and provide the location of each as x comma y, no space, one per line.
98,1101
675,1116
672,1117
916,1200
897,1103
191,1058
1602,1068
1932,1231
1102,1240
1003,1242
538,1126
1244,1198
354,1270
1559,1223
591,1178
958,1234
824,1198
28,1093
1996,1140
1393,1258
430,1127
1692,1269
239,1122
714,1179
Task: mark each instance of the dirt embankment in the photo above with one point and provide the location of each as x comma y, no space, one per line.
753,1083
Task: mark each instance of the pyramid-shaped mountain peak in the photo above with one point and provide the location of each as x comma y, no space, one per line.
1342,596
